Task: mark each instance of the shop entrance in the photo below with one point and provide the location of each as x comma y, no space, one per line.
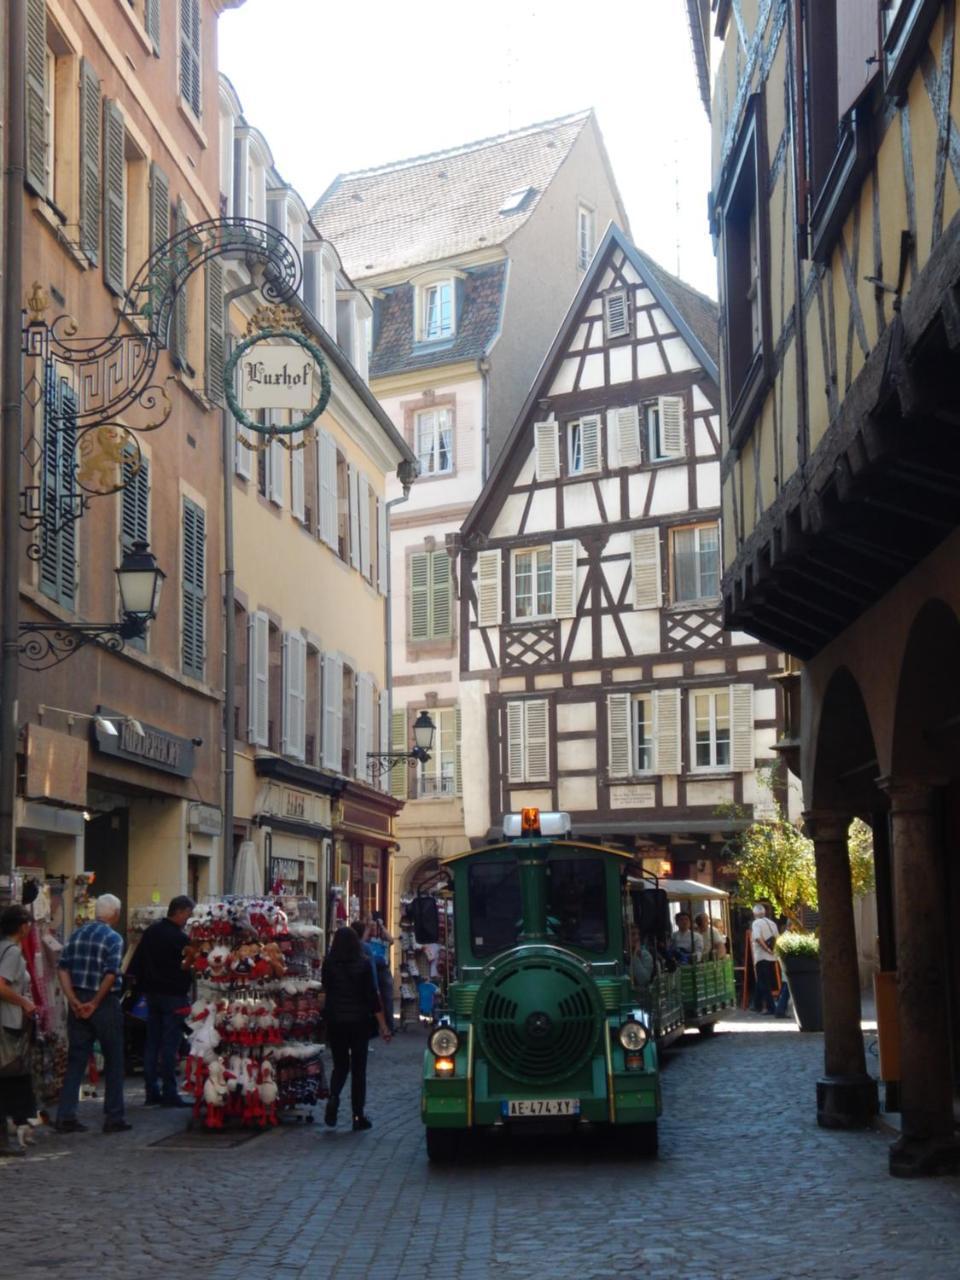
106,854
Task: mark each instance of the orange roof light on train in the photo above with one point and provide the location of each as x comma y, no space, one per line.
530,821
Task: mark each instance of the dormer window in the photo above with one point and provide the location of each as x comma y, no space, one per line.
516,200
438,311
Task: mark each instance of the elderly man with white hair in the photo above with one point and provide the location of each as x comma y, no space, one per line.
89,974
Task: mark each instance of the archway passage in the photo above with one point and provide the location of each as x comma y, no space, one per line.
426,875
845,772
924,789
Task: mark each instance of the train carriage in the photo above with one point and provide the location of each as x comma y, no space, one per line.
543,1027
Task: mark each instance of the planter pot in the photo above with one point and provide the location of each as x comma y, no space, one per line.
803,977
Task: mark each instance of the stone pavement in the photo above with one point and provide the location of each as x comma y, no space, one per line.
746,1187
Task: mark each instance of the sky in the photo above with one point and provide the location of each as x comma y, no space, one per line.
338,87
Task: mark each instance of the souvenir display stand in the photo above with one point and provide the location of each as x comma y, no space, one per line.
255,1047
426,950
43,896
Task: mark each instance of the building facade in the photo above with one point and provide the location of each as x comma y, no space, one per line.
121,132
596,676
836,211
470,258
307,566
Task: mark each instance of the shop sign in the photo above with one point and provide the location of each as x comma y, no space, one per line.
296,804
205,819
154,747
276,376
56,766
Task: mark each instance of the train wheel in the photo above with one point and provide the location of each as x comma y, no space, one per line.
708,1028
646,1140
442,1145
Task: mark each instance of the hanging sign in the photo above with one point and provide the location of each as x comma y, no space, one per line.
276,369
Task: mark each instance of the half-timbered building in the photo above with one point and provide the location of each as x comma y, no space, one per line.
596,676
836,213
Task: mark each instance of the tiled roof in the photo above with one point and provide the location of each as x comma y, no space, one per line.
435,206
479,320
696,309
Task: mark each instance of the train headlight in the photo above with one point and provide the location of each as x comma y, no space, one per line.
633,1036
444,1042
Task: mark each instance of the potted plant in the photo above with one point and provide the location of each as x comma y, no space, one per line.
799,956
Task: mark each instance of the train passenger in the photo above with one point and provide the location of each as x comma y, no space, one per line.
687,946
641,961
713,942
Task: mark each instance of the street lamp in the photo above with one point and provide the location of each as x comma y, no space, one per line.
424,730
139,578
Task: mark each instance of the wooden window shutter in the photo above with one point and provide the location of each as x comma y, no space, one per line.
457,732
258,679
418,627
565,579
298,487
590,442
366,549
151,16
90,161
332,712
114,212
328,489
354,504
618,735
58,567
667,730
489,589
215,335
441,596
194,588
293,739
858,58
382,549
190,54
398,742
178,348
546,438
35,102
671,426
515,751
159,214
536,744
135,504
616,314
645,568
276,463
742,751
623,436
364,726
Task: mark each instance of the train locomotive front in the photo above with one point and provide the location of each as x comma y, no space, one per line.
543,1029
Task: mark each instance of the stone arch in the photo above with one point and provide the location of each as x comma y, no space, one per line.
424,873
844,767
926,732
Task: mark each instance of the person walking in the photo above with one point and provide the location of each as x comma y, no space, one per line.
156,968
763,934
89,974
16,1013
380,942
351,1002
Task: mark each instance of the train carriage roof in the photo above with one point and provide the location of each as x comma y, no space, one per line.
540,842
691,889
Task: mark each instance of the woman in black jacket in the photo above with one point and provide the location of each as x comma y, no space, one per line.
351,1001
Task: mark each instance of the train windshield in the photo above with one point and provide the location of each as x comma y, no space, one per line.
577,902
496,913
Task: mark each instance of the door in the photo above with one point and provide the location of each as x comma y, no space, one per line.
105,854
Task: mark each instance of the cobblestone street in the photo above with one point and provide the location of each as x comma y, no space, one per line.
746,1186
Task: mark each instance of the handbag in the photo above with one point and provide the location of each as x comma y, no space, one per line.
15,1051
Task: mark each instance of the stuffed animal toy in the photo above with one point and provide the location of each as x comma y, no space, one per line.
217,961
252,1105
268,1093
215,1093
236,1076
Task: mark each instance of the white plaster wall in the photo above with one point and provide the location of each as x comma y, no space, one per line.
508,519
543,511
576,717
670,492
708,484
400,540
578,753
643,631
764,704
710,791
577,793
580,505
466,481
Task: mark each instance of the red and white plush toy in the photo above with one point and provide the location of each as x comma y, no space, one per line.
253,1113
215,1093
268,1092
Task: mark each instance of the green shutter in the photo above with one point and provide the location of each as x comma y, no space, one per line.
35,104
135,503
215,336
441,596
179,343
151,16
398,742
114,213
90,159
159,214
58,566
190,54
194,583
419,622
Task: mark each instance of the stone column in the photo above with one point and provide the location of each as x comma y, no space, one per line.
847,1098
927,1144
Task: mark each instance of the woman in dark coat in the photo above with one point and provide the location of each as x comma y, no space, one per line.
351,1001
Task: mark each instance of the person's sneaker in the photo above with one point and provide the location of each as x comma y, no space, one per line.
70,1126
330,1114
116,1126
361,1122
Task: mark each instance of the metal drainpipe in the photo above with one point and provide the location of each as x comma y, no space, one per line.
483,368
229,609
11,428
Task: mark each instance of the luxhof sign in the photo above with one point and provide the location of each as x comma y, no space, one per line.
277,377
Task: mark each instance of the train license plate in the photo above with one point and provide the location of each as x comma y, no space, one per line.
515,1108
